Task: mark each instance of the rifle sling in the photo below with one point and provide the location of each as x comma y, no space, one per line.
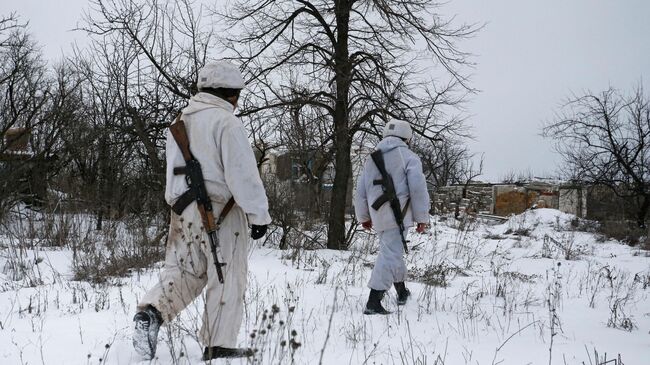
226,210
406,207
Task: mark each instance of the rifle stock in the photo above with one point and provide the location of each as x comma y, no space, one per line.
180,135
208,219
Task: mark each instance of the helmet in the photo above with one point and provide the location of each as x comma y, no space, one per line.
220,74
398,128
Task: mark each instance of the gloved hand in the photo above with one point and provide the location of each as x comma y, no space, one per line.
421,227
258,232
367,225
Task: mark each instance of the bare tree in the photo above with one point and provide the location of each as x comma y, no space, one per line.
446,162
24,95
355,62
23,83
37,106
141,69
167,35
605,140
157,49
102,171
8,24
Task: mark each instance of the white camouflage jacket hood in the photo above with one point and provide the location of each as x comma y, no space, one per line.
220,143
405,168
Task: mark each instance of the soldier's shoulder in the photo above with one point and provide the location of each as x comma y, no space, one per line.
412,154
227,119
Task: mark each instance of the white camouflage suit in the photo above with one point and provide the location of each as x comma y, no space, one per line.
405,168
219,142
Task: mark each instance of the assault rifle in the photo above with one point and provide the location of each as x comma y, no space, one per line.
197,192
389,195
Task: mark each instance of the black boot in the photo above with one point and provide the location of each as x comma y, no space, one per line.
374,303
218,352
402,293
145,335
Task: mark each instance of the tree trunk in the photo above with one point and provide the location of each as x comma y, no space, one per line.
102,199
642,213
315,201
284,239
149,145
336,233
100,219
342,138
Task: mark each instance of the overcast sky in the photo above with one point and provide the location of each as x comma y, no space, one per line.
530,56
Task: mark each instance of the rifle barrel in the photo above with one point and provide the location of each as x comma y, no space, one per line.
214,242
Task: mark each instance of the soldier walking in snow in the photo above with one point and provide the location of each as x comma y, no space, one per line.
394,171
218,140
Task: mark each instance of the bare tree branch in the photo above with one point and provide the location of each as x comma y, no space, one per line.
604,139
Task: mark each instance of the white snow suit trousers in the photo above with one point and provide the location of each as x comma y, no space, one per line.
389,266
189,268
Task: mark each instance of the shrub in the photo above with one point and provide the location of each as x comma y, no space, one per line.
624,231
115,251
438,274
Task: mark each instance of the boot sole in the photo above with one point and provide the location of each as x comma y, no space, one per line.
371,312
229,355
145,339
142,344
226,357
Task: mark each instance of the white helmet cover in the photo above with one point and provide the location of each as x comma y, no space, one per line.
398,128
220,74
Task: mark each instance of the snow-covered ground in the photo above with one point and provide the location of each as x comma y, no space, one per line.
533,290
